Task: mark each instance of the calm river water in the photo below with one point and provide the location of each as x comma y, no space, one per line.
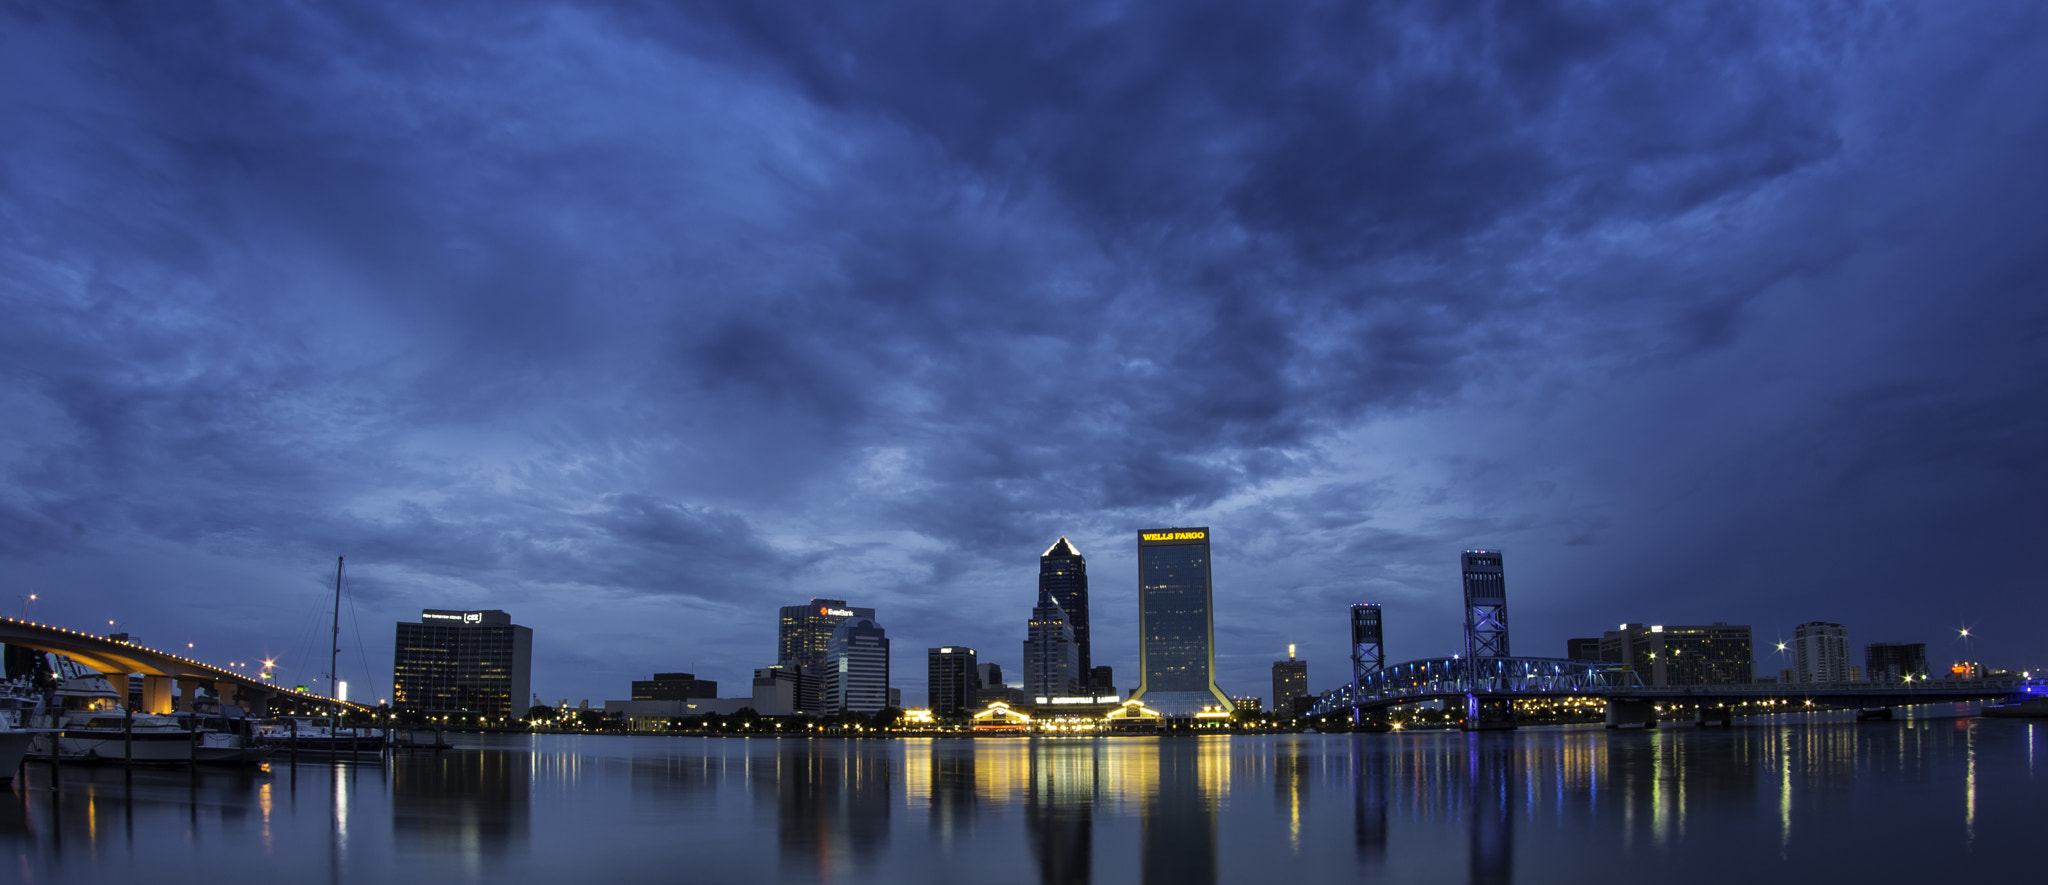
1903,801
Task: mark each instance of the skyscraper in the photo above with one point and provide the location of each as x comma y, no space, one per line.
857,667
1176,623
807,629
463,661
1820,652
1290,681
1051,656
1063,572
953,679
1486,605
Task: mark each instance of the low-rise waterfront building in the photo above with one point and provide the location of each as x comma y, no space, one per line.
673,687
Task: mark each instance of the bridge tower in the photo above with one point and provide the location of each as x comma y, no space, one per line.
1486,605
1368,654
1486,641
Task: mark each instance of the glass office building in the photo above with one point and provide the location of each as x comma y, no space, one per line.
804,631
1063,572
953,680
856,668
463,662
1176,623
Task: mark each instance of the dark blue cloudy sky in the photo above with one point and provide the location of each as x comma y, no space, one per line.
640,320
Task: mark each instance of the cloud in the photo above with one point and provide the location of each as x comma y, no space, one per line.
686,313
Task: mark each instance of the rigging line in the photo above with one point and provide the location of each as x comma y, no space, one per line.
349,587
301,649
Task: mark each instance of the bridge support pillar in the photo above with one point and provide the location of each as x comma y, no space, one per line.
188,695
1718,714
1375,720
1628,711
1488,714
254,704
156,694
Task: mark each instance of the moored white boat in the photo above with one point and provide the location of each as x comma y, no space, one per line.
93,727
16,698
315,736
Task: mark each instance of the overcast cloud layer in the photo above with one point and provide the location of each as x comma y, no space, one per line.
640,321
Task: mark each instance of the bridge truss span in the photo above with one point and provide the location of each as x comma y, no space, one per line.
1506,677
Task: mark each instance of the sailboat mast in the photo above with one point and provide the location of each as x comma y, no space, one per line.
334,653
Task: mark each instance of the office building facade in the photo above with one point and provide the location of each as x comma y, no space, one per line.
953,680
463,662
1582,649
1895,662
1063,573
779,691
1290,681
1176,623
1681,655
856,678
1820,652
805,631
674,687
1102,681
1052,657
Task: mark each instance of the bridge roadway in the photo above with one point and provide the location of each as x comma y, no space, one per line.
1499,680
159,669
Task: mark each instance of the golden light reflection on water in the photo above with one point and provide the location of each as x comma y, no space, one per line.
263,803
1970,786
1784,793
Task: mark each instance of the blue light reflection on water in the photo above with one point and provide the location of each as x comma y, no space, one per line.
1771,802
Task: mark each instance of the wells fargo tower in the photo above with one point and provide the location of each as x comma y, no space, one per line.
1176,623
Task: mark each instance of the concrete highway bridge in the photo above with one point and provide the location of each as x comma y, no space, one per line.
164,675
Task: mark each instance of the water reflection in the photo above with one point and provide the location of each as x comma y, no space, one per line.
1065,782
1369,782
1179,827
1537,806
951,786
1490,768
833,800
473,807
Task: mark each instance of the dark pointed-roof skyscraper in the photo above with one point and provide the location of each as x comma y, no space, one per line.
1063,572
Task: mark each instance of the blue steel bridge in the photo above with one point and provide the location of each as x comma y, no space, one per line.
1487,680
1476,684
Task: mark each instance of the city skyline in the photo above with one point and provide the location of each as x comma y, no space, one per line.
641,325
